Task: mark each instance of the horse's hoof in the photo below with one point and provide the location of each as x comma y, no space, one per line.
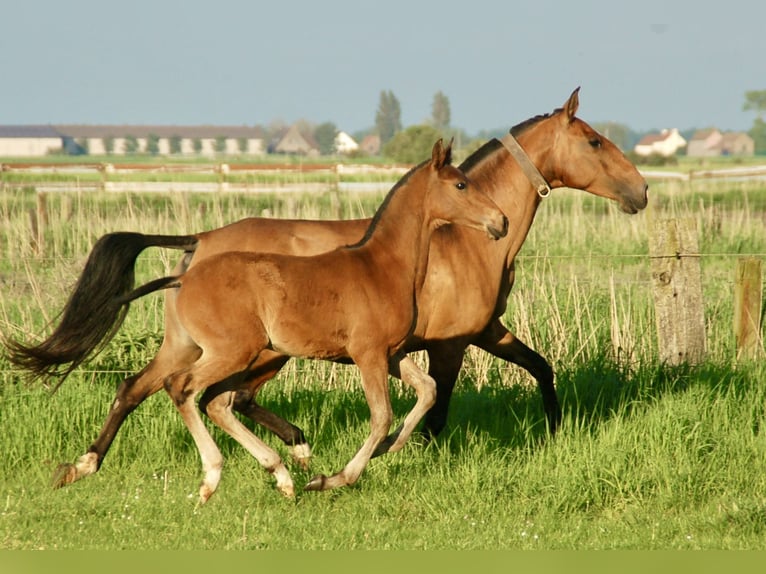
65,473
316,483
301,454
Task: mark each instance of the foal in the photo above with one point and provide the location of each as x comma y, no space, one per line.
357,302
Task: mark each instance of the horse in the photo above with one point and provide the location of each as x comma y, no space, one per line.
560,150
358,301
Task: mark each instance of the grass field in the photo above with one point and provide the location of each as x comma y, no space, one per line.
648,457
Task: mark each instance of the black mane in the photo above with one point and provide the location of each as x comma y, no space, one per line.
384,204
491,146
518,129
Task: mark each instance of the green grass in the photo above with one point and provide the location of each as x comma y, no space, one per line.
647,457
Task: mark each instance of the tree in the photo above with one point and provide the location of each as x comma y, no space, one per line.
619,134
388,119
219,146
755,100
440,112
758,133
153,144
108,143
175,144
324,135
131,144
412,145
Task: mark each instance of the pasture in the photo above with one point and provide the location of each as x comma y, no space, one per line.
647,457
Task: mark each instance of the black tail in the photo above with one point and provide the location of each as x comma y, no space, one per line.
97,306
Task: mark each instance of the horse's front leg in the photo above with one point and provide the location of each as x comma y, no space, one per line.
425,390
444,363
374,372
499,341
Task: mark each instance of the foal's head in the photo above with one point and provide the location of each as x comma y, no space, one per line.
584,159
452,198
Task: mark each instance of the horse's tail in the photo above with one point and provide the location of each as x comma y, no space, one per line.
97,306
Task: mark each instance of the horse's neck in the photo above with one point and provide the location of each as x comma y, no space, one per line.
402,236
513,192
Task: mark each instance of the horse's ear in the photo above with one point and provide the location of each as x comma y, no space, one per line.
571,105
439,155
448,152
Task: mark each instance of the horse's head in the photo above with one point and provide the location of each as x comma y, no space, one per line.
452,198
582,158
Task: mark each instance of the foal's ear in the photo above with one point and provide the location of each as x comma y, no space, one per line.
440,155
571,105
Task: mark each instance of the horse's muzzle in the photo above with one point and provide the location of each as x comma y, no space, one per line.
498,232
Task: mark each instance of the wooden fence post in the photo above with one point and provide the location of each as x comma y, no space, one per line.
677,287
748,295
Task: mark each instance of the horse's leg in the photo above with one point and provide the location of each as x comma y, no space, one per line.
219,409
499,341
375,383
425,389
444,363
265,368
181,392
131,393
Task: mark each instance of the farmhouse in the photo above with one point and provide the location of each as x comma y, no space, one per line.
292,141
30,141
345,144
665,143
712,142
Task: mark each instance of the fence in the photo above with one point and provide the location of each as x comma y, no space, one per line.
199,178
674,248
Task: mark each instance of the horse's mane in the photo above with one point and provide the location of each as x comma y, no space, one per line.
489,148
379,213
520,128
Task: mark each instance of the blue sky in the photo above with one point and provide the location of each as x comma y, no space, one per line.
647,64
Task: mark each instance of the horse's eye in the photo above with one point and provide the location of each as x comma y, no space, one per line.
595,142
461,185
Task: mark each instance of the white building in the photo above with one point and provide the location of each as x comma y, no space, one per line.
345,144
665,143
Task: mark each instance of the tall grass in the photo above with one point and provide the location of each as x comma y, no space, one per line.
647,456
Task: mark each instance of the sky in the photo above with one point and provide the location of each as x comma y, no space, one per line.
647,64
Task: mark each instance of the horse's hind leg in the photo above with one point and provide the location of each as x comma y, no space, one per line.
264,369
219,409
131,393
499,341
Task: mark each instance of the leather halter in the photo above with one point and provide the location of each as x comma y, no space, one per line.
530,170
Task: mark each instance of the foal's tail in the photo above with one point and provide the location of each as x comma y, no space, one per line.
97,306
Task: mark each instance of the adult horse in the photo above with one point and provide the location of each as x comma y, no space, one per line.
461,303
358,302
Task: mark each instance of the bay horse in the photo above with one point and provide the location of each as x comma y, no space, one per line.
357,302
462,299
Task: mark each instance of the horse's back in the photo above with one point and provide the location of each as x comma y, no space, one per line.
285,236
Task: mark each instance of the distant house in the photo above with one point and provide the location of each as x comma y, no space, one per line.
345,144
163,140
28,141
737,143
711,142
33,141
292,141
665,143
705,143
371,145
